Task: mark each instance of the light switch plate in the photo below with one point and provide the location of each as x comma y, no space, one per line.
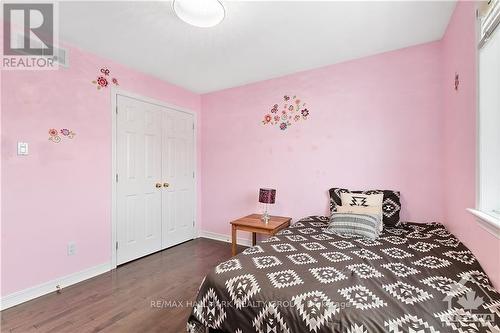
22,148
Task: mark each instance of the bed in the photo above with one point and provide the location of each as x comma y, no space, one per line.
413,278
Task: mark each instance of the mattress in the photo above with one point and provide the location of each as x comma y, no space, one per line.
413,278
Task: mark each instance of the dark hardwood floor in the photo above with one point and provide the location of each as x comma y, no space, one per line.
121,300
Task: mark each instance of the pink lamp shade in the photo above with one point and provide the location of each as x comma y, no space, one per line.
267,195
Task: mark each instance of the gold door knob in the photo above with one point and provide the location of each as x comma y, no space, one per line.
166,184
158,185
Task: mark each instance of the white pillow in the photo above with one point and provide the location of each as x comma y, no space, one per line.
363,200
359,201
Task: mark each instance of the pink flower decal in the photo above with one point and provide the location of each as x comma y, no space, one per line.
102,81
292,111
54,134
267,118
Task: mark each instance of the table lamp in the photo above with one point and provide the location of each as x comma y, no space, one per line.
266,196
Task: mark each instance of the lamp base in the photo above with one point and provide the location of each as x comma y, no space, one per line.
266,217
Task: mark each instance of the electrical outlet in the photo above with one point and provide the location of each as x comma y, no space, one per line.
71,249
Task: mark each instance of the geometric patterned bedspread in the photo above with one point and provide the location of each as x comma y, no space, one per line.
413,278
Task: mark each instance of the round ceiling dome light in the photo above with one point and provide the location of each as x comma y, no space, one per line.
200,13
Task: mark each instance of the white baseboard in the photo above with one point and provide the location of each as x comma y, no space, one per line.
224,238
45,288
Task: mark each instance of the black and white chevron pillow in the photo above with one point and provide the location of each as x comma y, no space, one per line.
391,204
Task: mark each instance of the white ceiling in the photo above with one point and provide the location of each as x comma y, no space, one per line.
258,40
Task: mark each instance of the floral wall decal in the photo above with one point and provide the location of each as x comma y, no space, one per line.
292,110
103,79
64,133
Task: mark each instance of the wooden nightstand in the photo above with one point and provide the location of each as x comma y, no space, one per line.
255,225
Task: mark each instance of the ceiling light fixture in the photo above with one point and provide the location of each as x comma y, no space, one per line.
200,13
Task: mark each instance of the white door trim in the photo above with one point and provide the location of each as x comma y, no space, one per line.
114,93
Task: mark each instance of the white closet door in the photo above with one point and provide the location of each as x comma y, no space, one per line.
139,201
178,172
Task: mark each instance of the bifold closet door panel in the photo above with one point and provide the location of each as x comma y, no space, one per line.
139,185
178,172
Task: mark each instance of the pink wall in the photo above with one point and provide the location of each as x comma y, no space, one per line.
374,123
459,55
62,192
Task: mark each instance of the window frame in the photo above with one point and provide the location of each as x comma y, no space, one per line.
485,26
